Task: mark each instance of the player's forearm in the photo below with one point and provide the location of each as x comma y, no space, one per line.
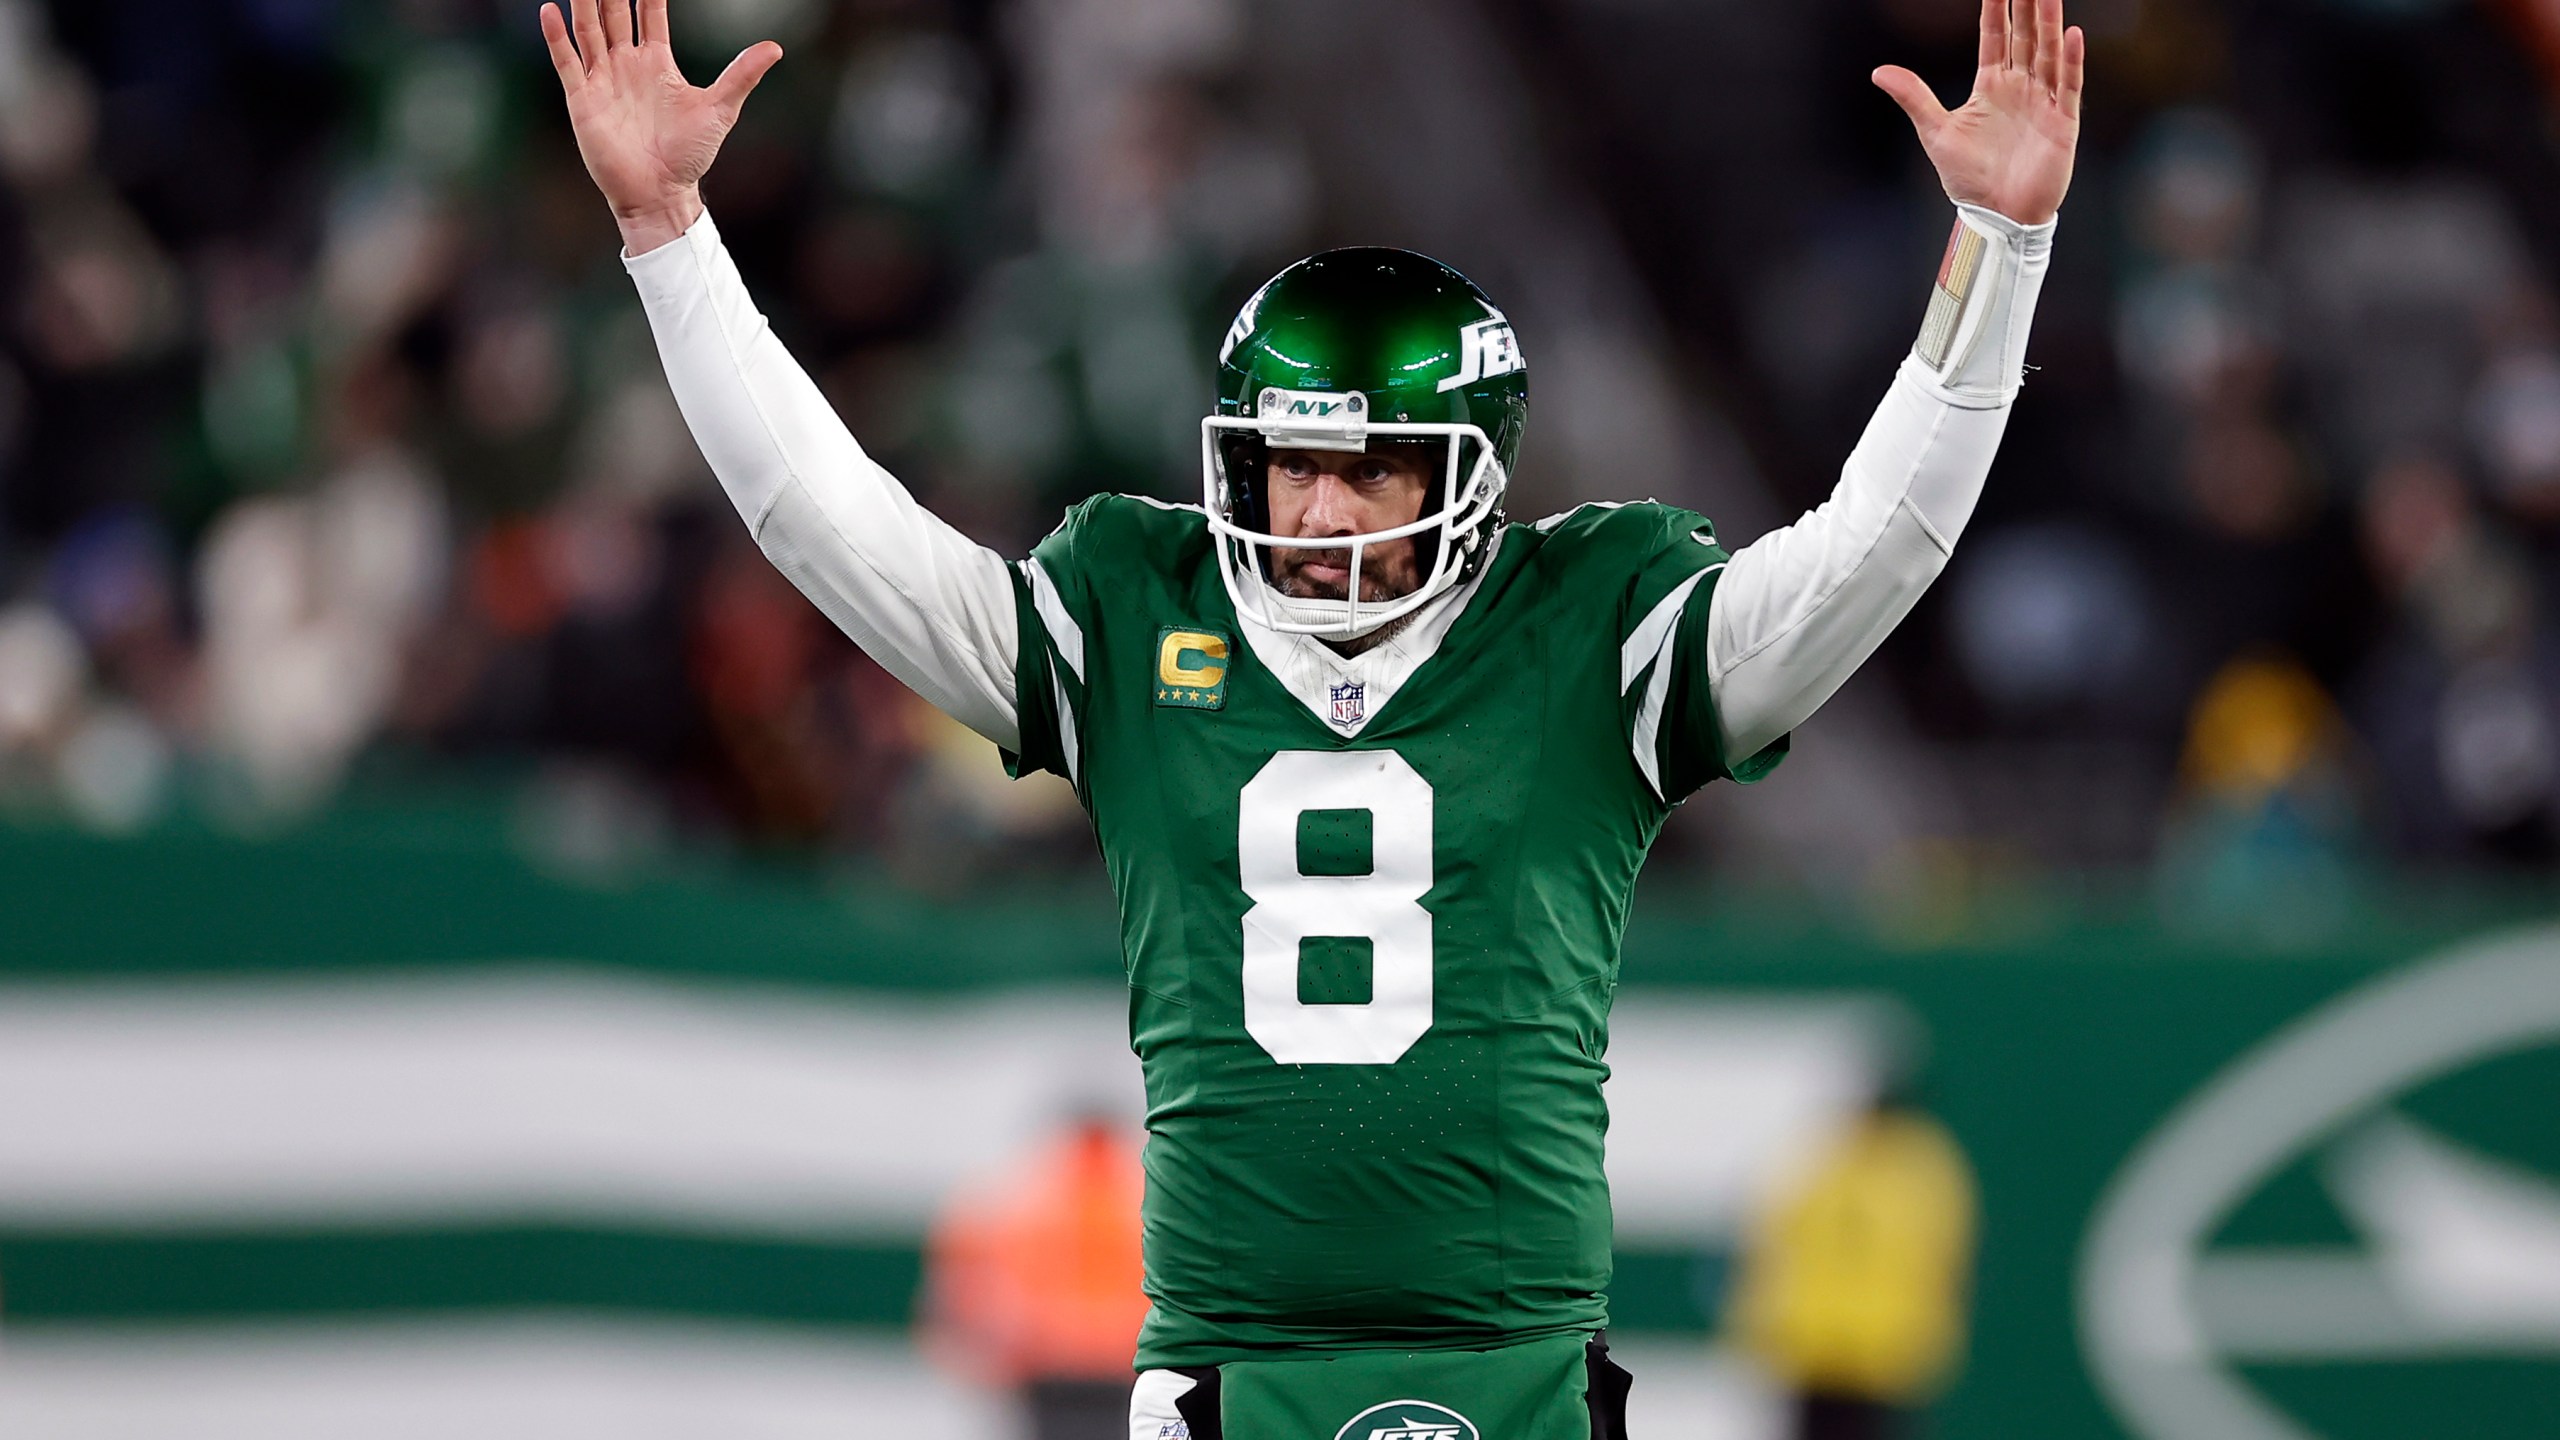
1800,609
933,607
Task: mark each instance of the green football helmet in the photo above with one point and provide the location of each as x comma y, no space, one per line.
1333,353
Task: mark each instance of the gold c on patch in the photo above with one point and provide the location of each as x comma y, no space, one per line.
1191,668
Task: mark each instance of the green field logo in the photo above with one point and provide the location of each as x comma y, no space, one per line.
2349,1222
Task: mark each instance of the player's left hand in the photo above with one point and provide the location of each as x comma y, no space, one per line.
2009,147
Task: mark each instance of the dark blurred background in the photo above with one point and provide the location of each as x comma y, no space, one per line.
449,880
332,443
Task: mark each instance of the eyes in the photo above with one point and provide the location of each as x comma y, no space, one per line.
1368,471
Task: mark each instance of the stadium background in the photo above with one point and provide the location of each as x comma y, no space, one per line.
480,954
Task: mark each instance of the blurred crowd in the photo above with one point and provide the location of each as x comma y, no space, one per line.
329,430
2263,586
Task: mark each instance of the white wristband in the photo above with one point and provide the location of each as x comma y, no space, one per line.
1972,348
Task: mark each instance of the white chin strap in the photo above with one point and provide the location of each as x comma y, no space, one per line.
1316,616
1325,618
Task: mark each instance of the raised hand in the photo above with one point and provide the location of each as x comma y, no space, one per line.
647,136
2009,147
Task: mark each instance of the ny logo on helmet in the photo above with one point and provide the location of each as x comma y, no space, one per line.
1485,349
1319,406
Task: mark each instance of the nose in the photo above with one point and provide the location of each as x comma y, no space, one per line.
1330,510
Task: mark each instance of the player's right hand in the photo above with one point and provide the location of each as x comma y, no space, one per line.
2010,147
647,136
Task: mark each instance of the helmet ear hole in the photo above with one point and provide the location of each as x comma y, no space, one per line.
1244,463
1441,490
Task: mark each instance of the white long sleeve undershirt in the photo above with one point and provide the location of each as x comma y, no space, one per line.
934,607
1802,607
1794,614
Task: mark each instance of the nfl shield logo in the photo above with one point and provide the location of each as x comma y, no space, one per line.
1350,702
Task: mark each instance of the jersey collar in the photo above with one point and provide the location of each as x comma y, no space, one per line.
1313,671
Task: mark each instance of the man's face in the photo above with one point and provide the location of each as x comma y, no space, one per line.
1327,494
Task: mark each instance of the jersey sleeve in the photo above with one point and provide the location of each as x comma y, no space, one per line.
1055,610
1666,562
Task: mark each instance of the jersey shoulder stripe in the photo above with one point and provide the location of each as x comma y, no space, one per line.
1068,747
1654,647
1048,676
1103,546
1653,568
1064,632
1653,634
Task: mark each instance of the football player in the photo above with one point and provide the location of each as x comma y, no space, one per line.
1373,767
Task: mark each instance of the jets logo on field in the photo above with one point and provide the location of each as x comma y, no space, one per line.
1351,703
1485,349
1191,668
1408,1420
2409,1109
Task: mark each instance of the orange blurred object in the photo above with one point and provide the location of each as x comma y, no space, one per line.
511,582
1038,1276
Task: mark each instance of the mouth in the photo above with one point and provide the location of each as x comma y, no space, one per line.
1326,575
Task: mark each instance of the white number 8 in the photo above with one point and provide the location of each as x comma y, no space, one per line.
1384,906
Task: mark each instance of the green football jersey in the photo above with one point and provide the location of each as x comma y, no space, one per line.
1372,938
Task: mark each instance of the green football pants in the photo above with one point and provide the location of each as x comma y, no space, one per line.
1561,1388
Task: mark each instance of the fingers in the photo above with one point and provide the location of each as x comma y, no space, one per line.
1913,95
653,22
1995,34
589,29
2049,45
2075,55
564,56
617,22
737,82
2022,35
